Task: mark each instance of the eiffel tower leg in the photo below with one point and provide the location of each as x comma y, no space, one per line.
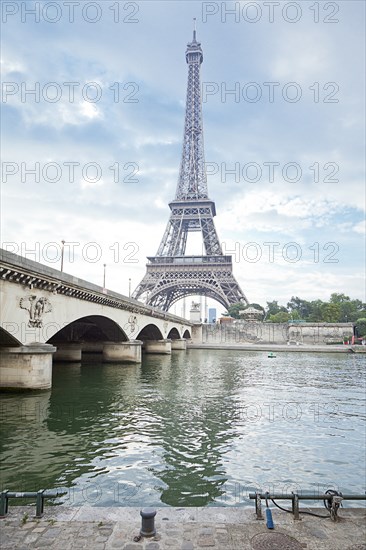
210,238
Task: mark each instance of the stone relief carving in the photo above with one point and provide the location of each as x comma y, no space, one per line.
251,332
36,308
295,334
131,326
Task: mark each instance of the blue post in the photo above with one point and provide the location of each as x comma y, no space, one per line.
269,522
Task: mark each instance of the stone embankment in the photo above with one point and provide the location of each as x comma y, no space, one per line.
307,348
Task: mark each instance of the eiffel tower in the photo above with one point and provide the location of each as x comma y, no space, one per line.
171,275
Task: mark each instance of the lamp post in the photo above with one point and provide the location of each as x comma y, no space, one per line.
104,266
129,288
62,254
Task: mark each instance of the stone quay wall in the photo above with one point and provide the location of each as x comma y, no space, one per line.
243,332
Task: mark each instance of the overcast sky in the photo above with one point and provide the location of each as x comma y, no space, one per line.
284,149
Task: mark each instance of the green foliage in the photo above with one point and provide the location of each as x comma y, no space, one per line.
330,312
257,306
315,315
339,309
233,310
273,308
350,310
361,327
337,298
25,518
295,315
280,317
301,307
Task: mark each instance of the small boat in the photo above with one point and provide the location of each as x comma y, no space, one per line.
271,354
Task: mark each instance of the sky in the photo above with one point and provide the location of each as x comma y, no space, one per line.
93,101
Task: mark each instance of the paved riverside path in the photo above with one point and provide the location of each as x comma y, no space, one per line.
179,529
303,348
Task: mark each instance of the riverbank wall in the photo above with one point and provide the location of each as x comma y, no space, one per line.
259,333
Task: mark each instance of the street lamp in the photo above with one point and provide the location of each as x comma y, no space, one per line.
104,266
62,254
129,288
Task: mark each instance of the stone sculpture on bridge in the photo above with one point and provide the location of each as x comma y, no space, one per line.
36,308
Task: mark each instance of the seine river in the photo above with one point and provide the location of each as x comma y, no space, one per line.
192,429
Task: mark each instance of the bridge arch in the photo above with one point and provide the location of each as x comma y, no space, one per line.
92,328
187,334
168,294
150,332
173,334
7,339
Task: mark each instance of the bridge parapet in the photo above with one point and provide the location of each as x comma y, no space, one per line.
16,269
41,306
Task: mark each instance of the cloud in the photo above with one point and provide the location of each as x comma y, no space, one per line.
137,145
302,56
360,227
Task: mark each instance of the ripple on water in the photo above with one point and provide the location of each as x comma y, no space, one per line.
194,429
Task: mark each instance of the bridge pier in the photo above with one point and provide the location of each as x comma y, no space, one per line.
197,334
163,347
26,367
92,347
122,352
68,353
179,343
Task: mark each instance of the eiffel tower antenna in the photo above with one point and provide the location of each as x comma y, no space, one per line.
171,274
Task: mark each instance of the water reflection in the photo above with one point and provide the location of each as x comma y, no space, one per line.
192,429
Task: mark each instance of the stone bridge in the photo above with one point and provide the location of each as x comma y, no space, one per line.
49,315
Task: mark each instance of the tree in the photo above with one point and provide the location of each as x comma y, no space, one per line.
302,307
330,312
338,298
234,309
280,317
351,310
348,311
295,315
315,315
257,306
339,309
361,327
273,308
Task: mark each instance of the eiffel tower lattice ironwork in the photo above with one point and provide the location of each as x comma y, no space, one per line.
171,275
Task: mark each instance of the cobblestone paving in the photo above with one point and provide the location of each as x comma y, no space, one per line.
184,530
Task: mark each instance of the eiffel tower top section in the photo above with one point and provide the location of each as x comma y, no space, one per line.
192,183
171,274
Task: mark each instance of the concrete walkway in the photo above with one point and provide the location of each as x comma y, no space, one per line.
304,348
179,529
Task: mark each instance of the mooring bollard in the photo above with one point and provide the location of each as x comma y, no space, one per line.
148,522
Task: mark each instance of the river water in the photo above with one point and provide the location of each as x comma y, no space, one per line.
193,429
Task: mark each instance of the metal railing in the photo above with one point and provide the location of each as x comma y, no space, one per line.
332,501
38,495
